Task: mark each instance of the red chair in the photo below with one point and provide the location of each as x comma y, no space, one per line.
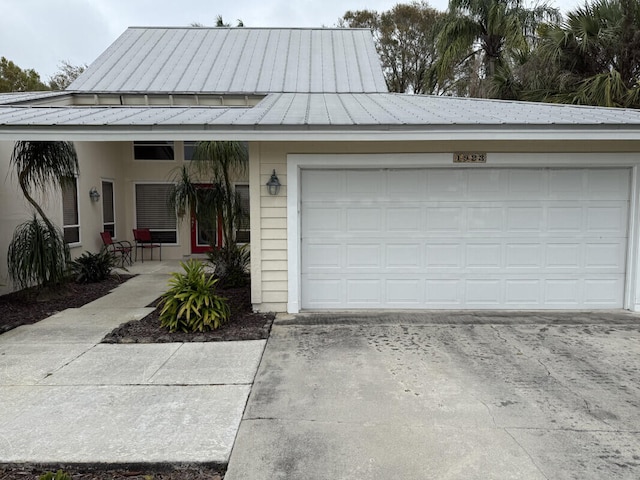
142,237
120,249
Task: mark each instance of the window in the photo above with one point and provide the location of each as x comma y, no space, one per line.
243,227
108,210
189,149
154,212
156,150
70,216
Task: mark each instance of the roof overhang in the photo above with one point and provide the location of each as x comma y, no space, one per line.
361,133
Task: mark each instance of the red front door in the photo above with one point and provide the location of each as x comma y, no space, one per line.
203,232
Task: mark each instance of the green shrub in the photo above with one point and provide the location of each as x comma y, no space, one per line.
231,264
37,255
92,267
59,475
191,304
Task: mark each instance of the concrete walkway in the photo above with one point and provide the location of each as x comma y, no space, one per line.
445,395
66,398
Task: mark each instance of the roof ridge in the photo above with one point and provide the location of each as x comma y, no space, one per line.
187,27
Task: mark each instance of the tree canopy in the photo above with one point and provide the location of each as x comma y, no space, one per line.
405,40
15,79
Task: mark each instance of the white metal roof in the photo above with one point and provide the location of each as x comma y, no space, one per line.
17,97
287,116
285,110
236,60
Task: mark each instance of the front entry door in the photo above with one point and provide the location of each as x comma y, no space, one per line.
205,230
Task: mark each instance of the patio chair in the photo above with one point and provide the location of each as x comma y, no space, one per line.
121,249
142,237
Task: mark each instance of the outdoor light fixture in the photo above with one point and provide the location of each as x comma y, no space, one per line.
94,194
273,185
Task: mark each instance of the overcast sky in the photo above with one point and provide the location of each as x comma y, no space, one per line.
39,34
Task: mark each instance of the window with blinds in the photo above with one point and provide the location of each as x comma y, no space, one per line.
70,215
156,150
154,212
243,227
108,208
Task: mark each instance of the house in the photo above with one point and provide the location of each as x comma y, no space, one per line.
389,201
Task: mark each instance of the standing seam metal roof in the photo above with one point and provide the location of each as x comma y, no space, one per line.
293,110
237,60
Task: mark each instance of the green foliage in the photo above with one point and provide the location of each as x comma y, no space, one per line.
191,304
593,57
59,475
65,75
15,79
37,255
495,32
231,264
405,40
92,267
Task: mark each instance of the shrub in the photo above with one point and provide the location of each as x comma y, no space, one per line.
231,264
92,267
59,475
191,304
37,255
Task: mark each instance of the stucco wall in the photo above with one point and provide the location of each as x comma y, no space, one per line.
269,213
98,161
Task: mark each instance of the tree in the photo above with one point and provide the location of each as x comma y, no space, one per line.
405,40
37,252
65,75
15,79
215,163
593,57
493,31
220,22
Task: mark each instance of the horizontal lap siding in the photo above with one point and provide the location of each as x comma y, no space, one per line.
272,227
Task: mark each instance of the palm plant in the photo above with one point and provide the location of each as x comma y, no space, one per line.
595,55
37,253
215,163
494,30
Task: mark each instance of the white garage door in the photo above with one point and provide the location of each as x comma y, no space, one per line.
463,238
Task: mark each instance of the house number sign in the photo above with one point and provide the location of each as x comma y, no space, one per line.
469,158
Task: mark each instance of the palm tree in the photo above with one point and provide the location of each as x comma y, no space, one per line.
216,163
596,56
37,253
494,30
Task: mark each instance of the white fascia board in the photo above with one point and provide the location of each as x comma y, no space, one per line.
251,133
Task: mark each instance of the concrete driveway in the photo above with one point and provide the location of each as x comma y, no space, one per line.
445,396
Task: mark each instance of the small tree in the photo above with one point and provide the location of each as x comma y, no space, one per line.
215,163
37,253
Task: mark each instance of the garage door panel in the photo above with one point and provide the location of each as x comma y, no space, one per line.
608,219
524,256
464,238
606,184
364,256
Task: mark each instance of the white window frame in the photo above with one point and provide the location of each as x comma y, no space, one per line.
151,142
135,210
113,205
76,225
184,149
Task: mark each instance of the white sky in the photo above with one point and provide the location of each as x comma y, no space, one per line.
39,34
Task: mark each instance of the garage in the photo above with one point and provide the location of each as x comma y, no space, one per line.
462,238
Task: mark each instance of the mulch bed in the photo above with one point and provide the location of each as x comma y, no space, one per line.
244,324
28,306
23,308
29,472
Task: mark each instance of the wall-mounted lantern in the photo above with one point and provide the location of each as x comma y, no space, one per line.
94,195
273,185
